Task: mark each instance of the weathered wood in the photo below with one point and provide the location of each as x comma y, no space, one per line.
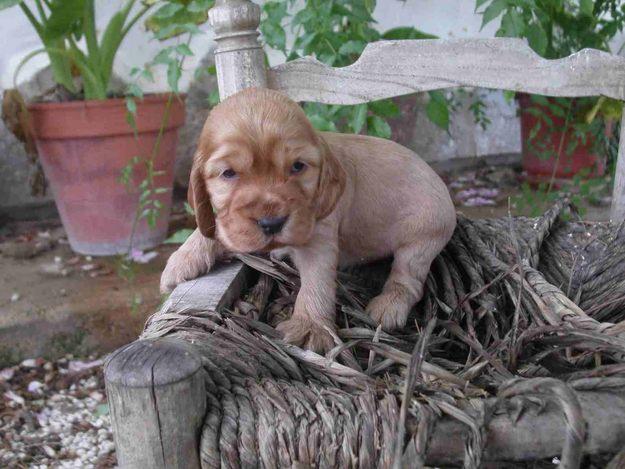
394,68
157,400
617,213
239,58
538,433
211,292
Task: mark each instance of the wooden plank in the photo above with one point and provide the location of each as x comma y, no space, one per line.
157,400
617,212
211,292
534,434
393,68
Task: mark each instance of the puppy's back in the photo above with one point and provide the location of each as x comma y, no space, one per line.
391,186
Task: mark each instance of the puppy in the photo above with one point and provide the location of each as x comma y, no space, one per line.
263,180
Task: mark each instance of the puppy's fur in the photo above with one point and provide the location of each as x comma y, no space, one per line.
356,199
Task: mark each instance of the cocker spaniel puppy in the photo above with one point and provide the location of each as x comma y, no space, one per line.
263,179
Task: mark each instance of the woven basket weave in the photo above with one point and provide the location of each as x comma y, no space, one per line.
519,336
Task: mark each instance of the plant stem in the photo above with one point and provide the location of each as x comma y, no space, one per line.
134,19
153,155
92,82
150,161
89,31
42,13
564,132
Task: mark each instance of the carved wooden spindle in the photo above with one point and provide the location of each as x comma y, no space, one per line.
239,57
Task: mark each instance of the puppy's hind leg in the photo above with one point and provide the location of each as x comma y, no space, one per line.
404,286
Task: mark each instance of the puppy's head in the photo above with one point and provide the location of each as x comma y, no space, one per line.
262,176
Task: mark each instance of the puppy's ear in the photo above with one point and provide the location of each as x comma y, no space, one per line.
331,181
199,200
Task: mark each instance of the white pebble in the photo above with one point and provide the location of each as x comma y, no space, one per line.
49,451
29,363
35,386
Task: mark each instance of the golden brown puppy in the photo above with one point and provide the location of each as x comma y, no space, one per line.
263,179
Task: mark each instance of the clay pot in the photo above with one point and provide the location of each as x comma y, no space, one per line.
541,169
83,147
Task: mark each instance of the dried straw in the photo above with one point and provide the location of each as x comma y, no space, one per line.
517,314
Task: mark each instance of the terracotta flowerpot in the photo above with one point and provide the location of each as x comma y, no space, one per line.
540,169
83,147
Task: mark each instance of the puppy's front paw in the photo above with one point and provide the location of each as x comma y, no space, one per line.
300,330
183,265
390,308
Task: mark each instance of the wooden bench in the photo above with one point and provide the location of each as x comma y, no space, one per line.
156,387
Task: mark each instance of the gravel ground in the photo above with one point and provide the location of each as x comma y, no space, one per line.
55,414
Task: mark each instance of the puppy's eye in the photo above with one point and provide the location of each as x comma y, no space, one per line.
229,173
298,167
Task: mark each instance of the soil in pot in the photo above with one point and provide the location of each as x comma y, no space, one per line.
543,138
83,147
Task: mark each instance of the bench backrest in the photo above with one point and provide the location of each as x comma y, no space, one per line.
393,68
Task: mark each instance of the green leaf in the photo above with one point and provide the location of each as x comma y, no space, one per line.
135,91
540,100
512,24
200,6
275,11
384,108
147,75
509,95
378,127
303,16
493,11
163,56
182,21
352,47
179,236
8,3
188,209
321,123
437,110
65,18
304,42
274,35
213,98
109,45
173,75
479,3
537,38
359,118
168,10
184,49
407,32
586,7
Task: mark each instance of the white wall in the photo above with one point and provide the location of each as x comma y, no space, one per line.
18,39
445,18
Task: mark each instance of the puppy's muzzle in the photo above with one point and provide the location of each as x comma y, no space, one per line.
271,225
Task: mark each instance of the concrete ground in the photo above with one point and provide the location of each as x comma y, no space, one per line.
54,302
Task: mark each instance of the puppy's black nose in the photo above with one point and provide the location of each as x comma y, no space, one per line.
271,225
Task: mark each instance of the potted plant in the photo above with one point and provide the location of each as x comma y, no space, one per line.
561,137
90,136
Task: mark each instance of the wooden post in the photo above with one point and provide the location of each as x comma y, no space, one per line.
617,214
239,58
157,401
